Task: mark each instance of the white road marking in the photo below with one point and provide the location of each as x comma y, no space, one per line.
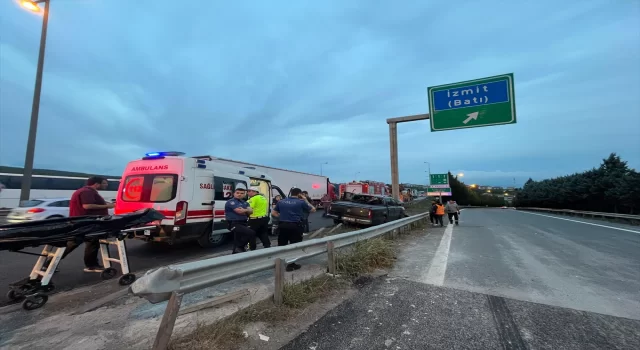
581,222
438,267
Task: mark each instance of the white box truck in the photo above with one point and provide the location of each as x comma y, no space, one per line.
316,185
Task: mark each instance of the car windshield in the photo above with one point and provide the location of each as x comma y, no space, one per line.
30,203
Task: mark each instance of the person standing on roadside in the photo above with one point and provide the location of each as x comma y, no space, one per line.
326,203
236,212
291,211
305,196
452,210
432,213
274,219
276,199
259,219
87,201
439,213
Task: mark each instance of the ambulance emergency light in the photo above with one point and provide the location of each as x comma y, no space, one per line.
164,154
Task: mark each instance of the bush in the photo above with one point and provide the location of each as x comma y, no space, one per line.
613,187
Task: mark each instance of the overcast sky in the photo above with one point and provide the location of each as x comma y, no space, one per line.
294,84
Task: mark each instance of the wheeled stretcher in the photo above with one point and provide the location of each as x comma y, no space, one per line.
54,235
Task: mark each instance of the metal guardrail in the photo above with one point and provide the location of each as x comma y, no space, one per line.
157,285
585,213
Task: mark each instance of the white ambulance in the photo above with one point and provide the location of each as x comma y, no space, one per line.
191,192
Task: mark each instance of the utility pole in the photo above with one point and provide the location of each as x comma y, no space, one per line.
393,148
321,164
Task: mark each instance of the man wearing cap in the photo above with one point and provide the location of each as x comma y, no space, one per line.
291,213
236,213
259,219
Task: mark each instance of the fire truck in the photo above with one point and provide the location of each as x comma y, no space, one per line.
363,187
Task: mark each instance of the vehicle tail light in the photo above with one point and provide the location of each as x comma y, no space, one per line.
370,214
35,210
181,213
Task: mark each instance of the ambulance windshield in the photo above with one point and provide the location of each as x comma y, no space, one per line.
154,188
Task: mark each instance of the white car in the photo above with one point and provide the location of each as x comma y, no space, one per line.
40,209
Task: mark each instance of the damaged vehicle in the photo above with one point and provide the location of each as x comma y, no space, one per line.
365,209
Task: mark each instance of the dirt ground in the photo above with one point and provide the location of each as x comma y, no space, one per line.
282,333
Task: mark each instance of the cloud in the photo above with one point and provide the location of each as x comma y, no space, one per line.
298,84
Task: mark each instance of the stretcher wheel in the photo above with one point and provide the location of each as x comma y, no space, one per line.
48,288
127,279
13,295
109,273
35,301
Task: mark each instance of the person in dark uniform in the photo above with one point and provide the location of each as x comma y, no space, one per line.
291,211
237,212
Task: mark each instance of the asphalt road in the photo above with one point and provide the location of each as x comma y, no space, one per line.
142,256
502,279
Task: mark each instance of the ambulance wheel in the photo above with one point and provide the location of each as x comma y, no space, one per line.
211,240
35,301
127,279
109,273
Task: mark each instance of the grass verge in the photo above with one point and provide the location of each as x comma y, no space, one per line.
228,332
366,256
419,207
352,262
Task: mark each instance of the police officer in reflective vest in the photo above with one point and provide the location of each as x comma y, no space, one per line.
237,212
259,219
291,213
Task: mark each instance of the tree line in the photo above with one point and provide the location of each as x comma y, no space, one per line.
463,195
613,187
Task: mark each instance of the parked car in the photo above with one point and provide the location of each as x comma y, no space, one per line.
41,209
366,209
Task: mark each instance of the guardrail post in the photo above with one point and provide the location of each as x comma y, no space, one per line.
278,293
168,321
331,257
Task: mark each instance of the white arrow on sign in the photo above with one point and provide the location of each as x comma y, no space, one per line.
473,116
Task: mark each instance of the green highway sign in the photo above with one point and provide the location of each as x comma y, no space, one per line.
439,180
474,103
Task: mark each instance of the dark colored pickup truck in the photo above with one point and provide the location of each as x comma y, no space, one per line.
366,209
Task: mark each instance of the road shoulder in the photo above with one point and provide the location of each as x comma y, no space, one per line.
401,314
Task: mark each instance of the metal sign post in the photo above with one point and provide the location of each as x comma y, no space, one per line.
393,147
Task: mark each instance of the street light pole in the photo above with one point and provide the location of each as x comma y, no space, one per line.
321,164
25,190
429,167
